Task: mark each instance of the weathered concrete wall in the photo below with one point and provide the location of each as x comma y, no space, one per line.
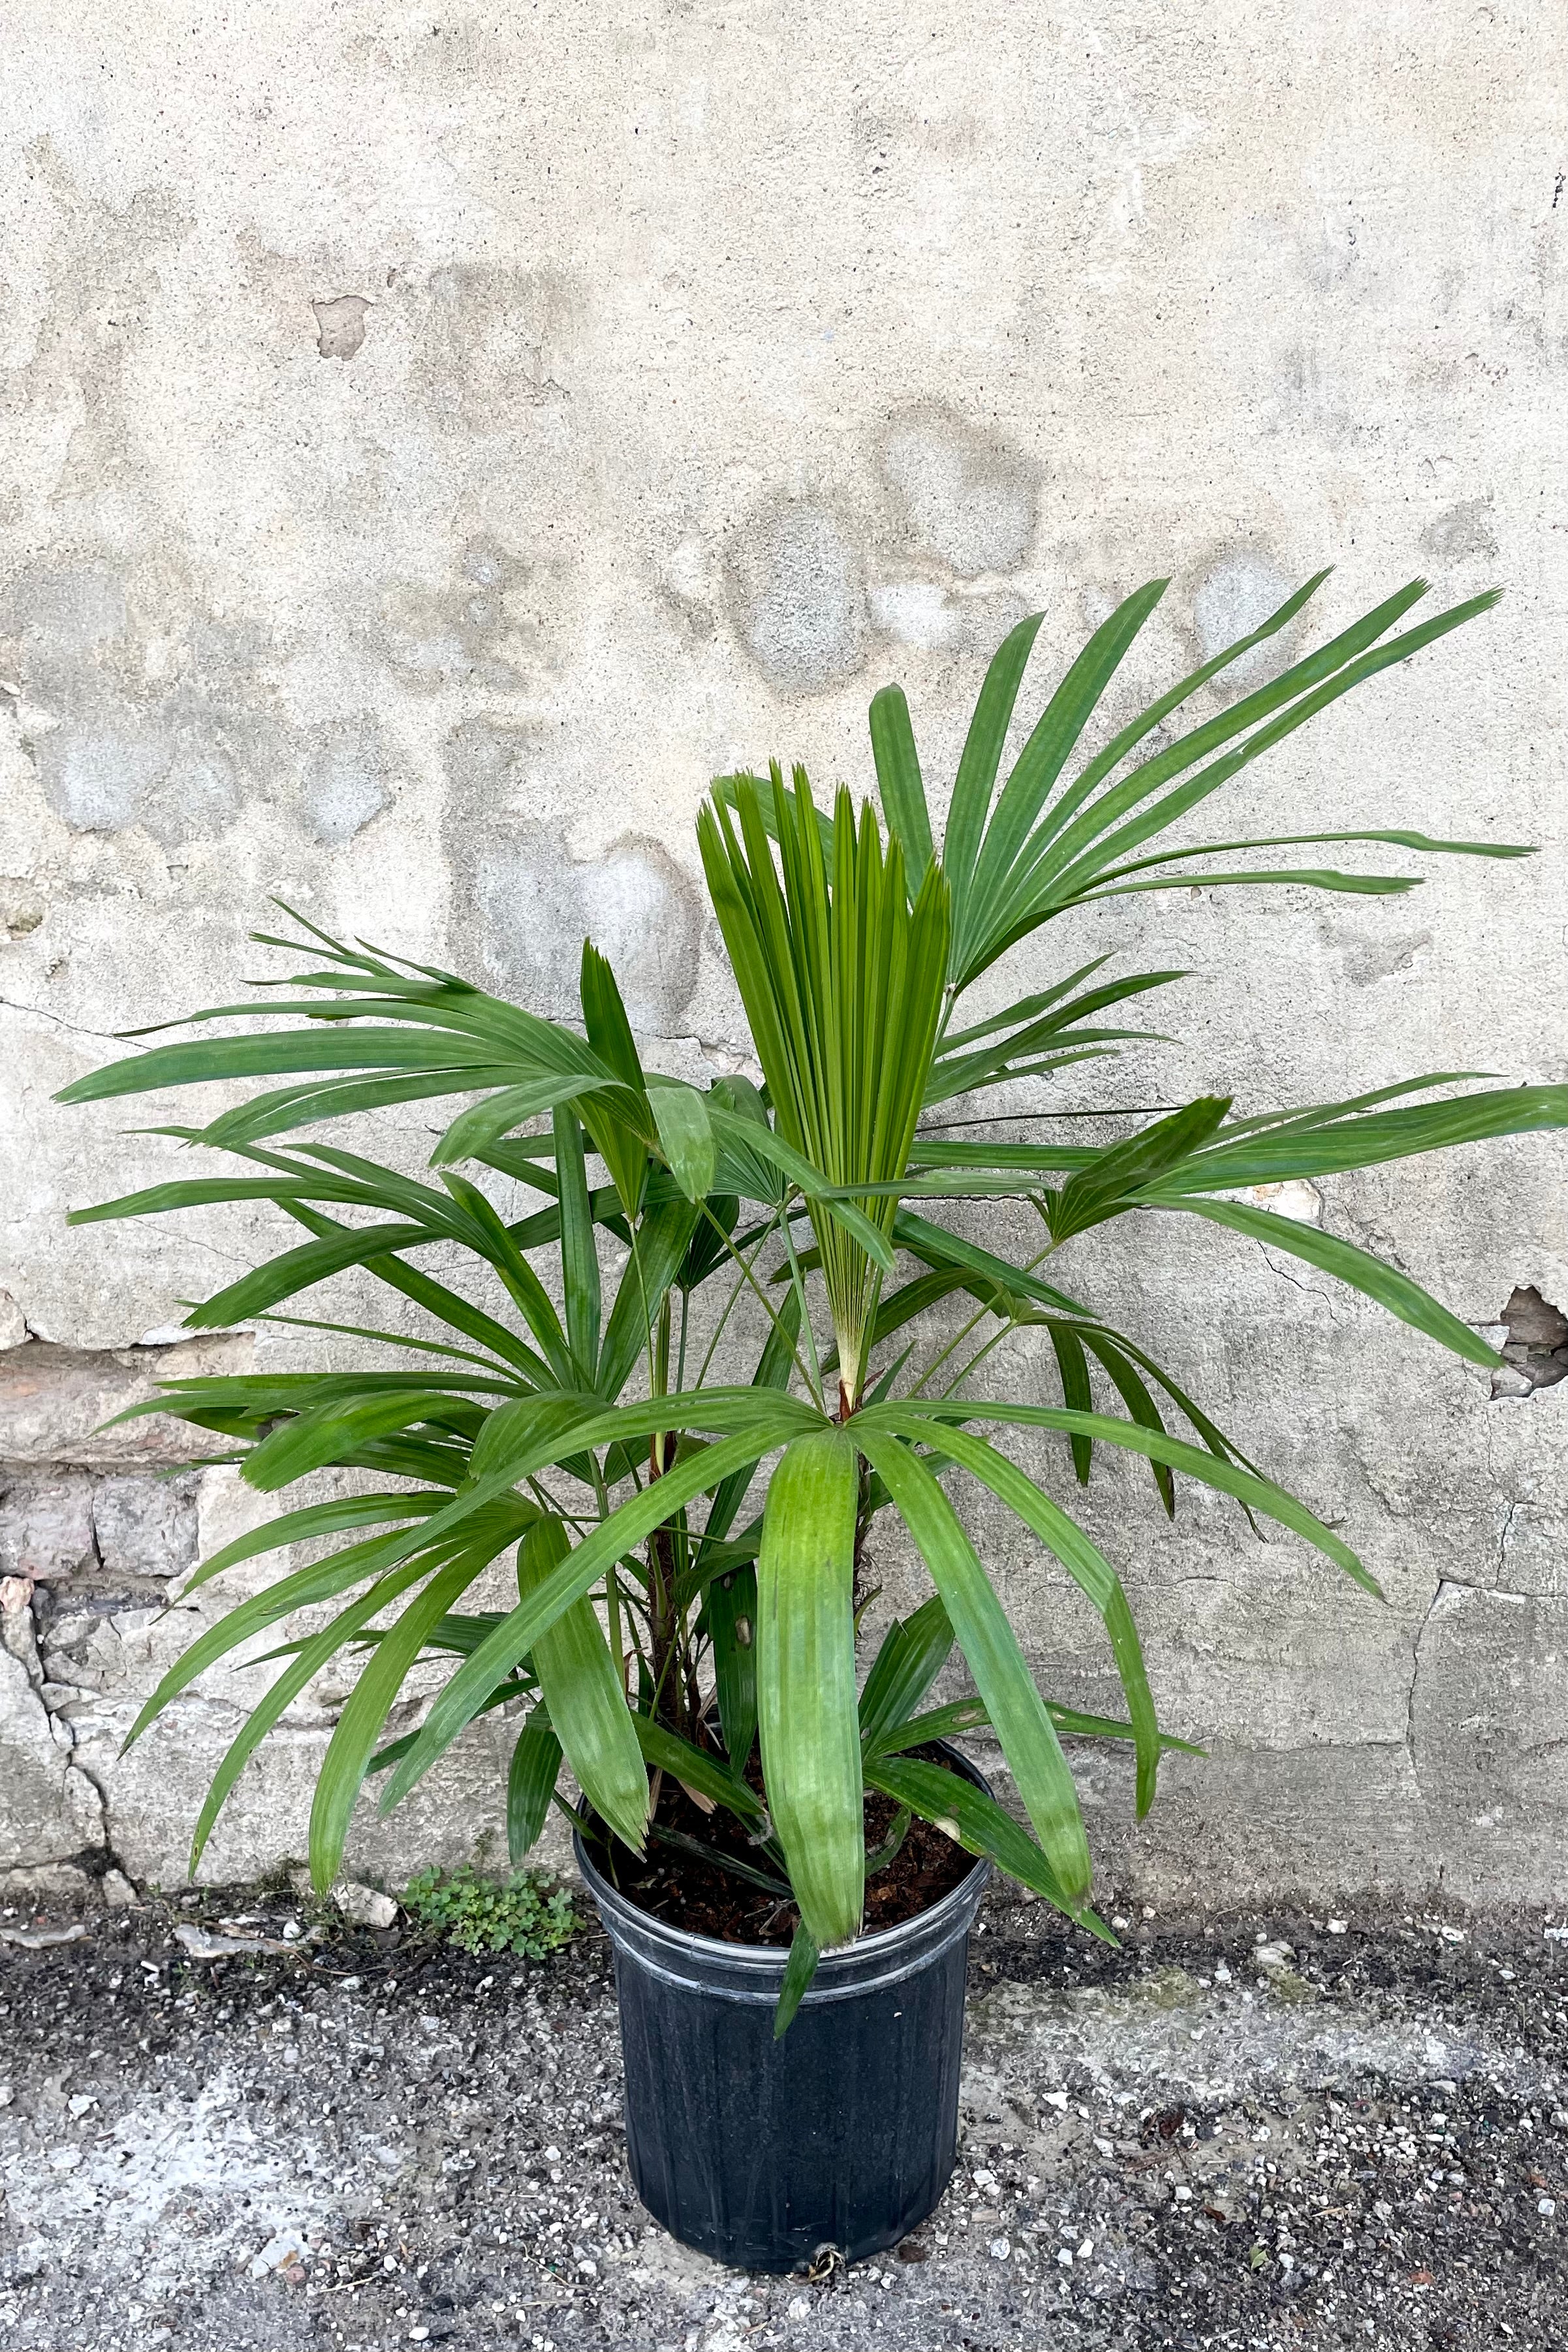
432,442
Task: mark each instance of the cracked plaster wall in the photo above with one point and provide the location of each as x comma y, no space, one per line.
422,470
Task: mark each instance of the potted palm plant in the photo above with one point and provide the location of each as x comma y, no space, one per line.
775,1840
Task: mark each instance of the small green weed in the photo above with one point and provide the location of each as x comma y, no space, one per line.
522,1914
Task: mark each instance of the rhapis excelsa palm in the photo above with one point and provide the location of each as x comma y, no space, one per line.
688,1549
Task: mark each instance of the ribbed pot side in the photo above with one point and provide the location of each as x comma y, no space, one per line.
843,2135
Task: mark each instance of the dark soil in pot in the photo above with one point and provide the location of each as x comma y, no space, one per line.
704,1899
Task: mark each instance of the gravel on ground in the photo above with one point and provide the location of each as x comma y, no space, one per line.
1253,2130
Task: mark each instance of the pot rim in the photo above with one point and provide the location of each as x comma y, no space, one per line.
765,1957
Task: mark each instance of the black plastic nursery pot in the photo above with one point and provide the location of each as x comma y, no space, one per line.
765,2154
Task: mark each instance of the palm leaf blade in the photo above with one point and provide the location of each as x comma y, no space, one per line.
806,1681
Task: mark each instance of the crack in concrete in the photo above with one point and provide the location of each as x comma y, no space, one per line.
1283,1276
41,1013
1324,1299
21,1643
1504,1533
78,1763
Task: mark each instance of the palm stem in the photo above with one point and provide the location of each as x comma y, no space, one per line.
814,1379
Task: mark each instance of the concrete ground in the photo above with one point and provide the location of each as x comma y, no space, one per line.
1257,2131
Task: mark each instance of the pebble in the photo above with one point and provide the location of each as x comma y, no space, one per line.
285,2247
42,1940
364,1906
202,1944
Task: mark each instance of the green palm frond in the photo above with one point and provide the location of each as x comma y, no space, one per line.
1018,856
842,982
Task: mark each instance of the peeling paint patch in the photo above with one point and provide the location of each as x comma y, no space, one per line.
109,260
109,769
966,499
684,580
799,596
535,906
70,613
643,914
340,325
1293,1197
21,908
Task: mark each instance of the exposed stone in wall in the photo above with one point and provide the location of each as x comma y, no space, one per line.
46,1521
55,1402
49,1810
1535,1350
75,1528
89,1547
97,1532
